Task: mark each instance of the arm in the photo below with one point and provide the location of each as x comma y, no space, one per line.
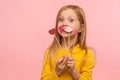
71,68
46,73
75,74
86,70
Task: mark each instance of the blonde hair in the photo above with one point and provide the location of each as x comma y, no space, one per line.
81,36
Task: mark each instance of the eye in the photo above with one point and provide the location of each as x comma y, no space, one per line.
61,19
71,20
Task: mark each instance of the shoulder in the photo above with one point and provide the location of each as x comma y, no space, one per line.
46,53
91,55
91,52
47,50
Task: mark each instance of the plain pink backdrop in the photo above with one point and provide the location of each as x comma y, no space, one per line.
24,26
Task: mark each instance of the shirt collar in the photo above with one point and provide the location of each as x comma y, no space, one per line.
76,49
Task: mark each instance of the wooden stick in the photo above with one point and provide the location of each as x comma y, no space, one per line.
69,43
65,42
58,41
69,39
74,41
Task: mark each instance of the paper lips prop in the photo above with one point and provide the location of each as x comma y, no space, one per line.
52,31
62,28
68,29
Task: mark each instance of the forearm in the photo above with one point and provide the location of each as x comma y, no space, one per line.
75,74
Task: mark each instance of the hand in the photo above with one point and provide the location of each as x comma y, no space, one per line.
71,67
70,63
60,65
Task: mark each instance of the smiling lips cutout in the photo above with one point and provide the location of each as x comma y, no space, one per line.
68,29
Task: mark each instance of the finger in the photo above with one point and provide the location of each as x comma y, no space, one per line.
64,61
70,62
65,57
71,58
70,65
59,60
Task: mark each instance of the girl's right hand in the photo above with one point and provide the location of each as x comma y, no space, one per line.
60,65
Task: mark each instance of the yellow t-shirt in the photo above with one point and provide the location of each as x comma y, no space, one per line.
83,65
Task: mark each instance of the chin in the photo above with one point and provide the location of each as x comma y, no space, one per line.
65,35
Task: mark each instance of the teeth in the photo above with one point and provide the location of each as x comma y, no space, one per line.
68,29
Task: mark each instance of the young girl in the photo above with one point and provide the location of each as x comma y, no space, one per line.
68,57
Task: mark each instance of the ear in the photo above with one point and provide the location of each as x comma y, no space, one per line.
82,28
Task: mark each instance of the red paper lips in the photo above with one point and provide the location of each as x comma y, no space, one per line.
52,31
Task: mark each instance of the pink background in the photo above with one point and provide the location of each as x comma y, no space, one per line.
24,37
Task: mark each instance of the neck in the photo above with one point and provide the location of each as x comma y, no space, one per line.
69,42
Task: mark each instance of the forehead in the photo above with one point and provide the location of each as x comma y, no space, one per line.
68,13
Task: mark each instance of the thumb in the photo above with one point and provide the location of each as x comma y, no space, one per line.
60,60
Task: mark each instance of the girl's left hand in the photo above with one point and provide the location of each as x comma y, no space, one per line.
70,63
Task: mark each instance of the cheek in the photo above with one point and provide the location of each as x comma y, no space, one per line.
59,23
58,29
76,27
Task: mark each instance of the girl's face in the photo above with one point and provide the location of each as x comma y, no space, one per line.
68,18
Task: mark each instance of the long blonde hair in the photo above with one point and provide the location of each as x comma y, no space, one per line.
81,36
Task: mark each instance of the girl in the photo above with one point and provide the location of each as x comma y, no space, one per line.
68,57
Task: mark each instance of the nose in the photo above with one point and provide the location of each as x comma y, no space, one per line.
65,23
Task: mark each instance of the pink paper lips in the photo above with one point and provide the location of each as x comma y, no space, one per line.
68,29
61,28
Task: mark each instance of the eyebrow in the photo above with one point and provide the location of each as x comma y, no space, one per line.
63,16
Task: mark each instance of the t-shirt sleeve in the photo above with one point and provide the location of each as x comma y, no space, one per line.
86,70
46,73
